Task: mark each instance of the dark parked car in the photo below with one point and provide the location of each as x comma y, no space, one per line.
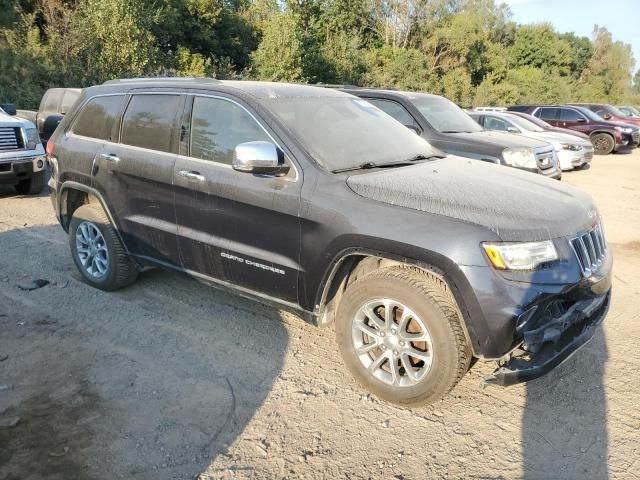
316,201
447,127
54,105
605,136
610,113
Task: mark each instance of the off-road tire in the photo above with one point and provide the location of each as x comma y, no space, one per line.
31,186
429,296
121,271
603,143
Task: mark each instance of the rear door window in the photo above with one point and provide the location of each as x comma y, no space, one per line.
570,115
548,113
218,126
150,120
97,118
395,110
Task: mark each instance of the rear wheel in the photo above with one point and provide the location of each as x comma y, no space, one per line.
603,143
97,250
400,334
31,186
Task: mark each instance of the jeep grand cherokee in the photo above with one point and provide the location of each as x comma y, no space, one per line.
316,201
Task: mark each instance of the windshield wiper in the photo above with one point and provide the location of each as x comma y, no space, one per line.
401,163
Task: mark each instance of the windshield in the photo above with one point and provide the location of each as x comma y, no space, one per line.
444,115
589,114
344,132
524,123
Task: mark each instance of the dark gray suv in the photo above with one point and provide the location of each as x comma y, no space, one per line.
316,201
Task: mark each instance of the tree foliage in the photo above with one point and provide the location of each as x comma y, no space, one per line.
468,50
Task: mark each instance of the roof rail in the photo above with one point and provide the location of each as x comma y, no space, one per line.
160,79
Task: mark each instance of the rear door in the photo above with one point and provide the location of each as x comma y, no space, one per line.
573,119
136,174
551,115
235,227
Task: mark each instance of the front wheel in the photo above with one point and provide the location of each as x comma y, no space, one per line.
603,143
400,334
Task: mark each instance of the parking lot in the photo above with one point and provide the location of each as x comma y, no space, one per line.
172,379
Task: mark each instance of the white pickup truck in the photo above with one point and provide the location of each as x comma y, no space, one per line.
22,157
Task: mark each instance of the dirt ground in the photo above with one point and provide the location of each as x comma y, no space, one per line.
170,379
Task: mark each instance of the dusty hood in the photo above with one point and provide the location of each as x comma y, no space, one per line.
516,205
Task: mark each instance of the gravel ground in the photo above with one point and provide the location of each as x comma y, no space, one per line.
170,379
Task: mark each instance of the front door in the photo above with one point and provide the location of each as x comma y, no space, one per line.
235,227
136,175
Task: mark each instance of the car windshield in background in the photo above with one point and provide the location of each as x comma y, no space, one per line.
524,123
344,132
610,110
444,115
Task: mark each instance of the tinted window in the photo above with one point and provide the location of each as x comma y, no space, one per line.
218,126
547,113
68,100
149,121
569,115
493,123
394,109
97,117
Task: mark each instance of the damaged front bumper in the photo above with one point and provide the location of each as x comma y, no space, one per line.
555,335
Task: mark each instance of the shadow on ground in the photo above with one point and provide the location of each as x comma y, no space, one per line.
568,405
151,382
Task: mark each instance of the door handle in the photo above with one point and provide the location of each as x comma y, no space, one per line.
110,157
190,175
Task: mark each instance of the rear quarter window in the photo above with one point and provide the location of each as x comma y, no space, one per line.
51,101
150,120
97,117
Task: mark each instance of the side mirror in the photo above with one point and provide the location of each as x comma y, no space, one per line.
607,116
259,157
513,130
9,108
414,129
582,120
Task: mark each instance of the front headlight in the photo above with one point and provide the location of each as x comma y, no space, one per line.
520,256
519,158
32,137
625,129
571,146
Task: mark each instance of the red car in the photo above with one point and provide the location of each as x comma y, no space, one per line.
609,113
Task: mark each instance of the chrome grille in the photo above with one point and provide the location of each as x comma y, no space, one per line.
590,249
8,139
636,137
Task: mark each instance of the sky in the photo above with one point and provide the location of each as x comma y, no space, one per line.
620,17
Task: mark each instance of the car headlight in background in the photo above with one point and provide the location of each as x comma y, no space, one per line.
32,138
519,158
571,146
520,256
